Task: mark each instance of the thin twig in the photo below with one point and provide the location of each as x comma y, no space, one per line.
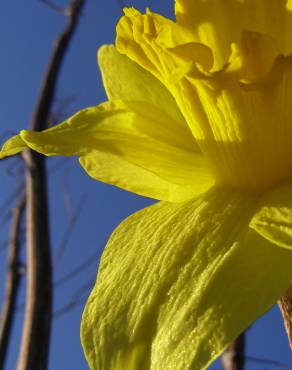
12,281
37,318
233,358
11,197
69,307
76,298
61,110
77,270
56,8
122,4
15,162
5,219
266,361
58,165
285,305
4,244
66,194
70,275
68,232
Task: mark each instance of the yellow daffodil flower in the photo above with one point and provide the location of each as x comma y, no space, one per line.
199,116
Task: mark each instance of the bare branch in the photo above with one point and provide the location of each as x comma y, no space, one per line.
48,87
57,8
77,270
66,194
285,305
61,110
4,244
6,134
37,318
233,358
11,197
265,361
12,281
71,275
36,329
58,165
77,297
68,232
69,307
5,218
121,4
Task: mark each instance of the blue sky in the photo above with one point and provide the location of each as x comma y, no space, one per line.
27,32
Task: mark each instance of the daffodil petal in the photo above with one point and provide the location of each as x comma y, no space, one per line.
273,220
12,146
178,282
132,145
126,80
223,25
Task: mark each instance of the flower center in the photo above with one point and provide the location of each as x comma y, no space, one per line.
245,131
248,165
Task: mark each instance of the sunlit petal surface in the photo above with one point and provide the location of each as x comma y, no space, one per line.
133,145
178,282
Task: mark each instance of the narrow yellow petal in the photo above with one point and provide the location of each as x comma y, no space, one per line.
273,219
12,146
133,145
124,79
156,179
178,282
